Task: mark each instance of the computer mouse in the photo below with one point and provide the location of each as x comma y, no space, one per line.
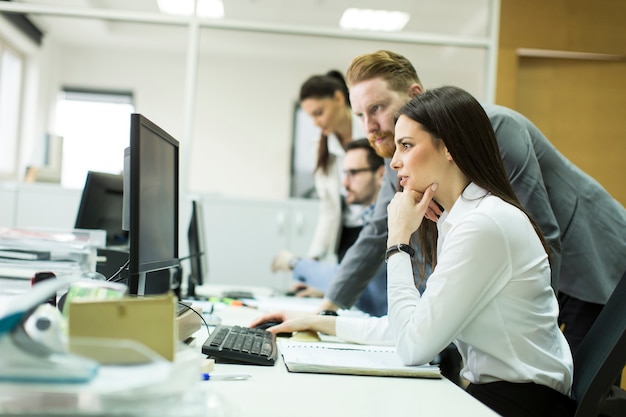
270,323
295,291
306,336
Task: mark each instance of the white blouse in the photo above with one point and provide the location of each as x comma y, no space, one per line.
329,188
490,294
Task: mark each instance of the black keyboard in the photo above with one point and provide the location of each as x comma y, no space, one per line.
243,345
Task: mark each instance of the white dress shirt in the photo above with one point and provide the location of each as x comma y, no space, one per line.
490,294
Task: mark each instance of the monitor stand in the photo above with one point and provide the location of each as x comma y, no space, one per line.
191,290
141,284
159,282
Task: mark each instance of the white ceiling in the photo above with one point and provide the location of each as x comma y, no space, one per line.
439,17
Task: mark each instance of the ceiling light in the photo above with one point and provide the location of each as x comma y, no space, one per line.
206,8
368,19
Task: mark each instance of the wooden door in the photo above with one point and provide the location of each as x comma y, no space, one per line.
580,105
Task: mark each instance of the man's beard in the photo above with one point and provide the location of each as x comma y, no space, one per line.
386,148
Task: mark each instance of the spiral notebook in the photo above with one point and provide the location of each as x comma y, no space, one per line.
349,359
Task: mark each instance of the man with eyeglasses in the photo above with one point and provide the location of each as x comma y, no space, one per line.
363,172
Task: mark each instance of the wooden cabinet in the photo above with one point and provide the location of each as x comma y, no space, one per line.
242,237
8,201
38,205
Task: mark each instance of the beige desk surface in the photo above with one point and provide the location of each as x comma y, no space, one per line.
273,391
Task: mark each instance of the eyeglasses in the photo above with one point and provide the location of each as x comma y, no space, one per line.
349,173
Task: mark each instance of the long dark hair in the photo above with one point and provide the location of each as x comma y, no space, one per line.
324,86
452,116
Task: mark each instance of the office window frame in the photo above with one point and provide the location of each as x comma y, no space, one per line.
73,168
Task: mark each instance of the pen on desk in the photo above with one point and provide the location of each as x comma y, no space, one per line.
224,377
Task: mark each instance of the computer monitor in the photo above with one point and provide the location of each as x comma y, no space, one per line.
101,207
153,209
197,249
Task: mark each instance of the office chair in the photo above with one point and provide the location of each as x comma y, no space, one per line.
599,360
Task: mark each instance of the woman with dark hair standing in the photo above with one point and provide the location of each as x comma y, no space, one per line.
325,98
489,292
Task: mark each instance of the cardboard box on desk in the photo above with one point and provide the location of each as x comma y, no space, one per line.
189,322
149,321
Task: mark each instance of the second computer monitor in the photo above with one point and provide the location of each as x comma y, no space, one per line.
197,249
101,207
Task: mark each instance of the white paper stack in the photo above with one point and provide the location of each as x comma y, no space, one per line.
24,252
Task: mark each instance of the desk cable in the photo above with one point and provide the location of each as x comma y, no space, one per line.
119,271
188,307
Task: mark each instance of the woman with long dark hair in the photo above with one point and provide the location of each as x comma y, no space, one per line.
325,99
489,292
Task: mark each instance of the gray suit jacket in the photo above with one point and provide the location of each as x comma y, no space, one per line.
584,226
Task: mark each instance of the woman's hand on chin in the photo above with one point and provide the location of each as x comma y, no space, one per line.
406,211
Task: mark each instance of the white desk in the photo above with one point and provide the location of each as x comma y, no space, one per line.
273,391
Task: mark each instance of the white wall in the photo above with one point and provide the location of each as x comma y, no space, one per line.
246,97
246,90
156,80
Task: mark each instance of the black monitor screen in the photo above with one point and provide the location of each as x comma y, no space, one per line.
101,207
197,249
153,207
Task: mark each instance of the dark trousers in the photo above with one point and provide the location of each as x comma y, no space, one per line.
523,400
575,318
450,363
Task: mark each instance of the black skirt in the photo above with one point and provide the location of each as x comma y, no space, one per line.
523,400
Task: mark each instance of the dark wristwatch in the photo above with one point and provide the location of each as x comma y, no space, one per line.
399,248
328,313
